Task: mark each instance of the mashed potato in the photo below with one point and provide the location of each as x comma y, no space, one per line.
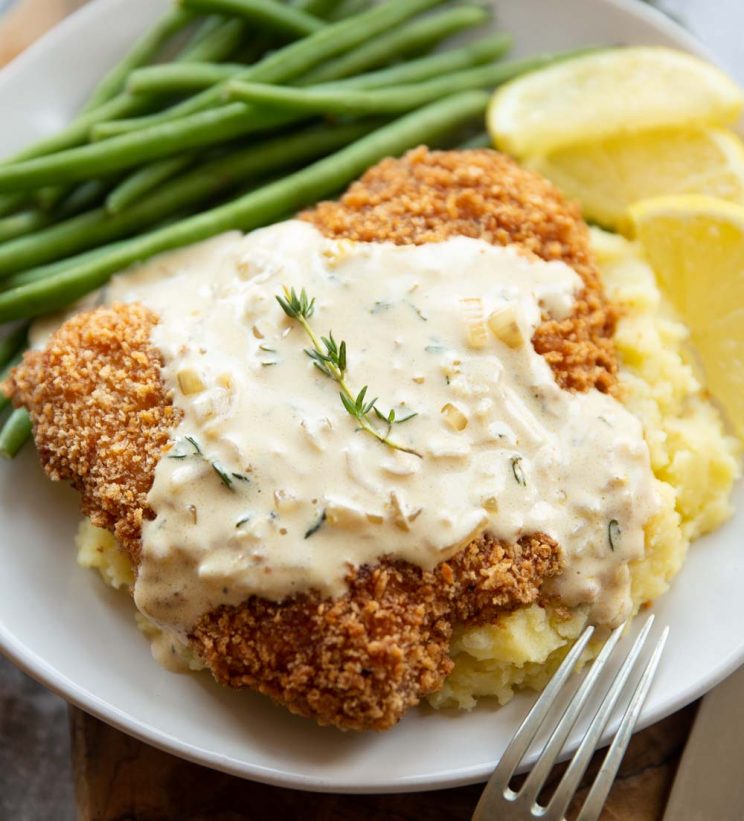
693,458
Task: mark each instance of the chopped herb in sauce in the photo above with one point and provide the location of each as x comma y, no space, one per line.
195,445
613,534
517,471
316,527
225,477
418,311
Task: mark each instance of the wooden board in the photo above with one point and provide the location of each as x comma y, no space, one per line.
118,777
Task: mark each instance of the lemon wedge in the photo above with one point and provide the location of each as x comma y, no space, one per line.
696,247
608,176
609,93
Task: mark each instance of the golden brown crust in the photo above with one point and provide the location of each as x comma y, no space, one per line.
430,196
102,419
360,661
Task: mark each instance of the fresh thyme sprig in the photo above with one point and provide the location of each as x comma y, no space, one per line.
329,357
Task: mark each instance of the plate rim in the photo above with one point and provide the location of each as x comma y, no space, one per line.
35,666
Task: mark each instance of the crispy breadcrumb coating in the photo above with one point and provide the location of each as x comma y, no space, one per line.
362,660
101,417
429,196
102,420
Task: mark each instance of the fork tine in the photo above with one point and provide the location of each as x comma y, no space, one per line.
534,783
498,783
598,794
556,808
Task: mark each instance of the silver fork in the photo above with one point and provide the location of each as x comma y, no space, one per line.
499,802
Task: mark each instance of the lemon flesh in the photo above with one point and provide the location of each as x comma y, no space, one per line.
696,247
610,93
607,177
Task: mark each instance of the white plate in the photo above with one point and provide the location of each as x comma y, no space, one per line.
61,625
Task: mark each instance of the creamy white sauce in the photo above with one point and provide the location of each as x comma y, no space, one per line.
503,448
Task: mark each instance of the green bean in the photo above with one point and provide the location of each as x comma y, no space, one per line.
435,65
214,126
208,127
24,222
122,105
10,203
53,269
318,8
12,345
203,31
297,58
5,373
382,101
84,196
416,36
15,433
216,47
258,207
49,198
349,8
77,132
276,17
142,52
479,140
141,182
193,188
176,78
291,61
217,44
73,202
50,209
202,129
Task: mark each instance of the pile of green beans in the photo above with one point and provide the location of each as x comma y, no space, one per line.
230,114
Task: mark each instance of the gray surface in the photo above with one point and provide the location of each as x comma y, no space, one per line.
35,777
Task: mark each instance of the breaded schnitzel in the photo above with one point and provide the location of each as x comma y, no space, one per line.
102,420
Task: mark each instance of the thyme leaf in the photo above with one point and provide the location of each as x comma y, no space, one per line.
296,307
391,419
195,445
224,476
316,527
